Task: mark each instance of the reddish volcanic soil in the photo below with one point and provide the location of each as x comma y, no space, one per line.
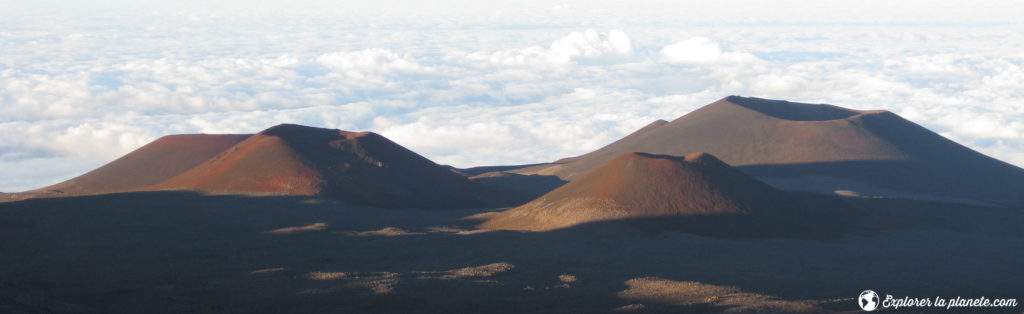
262,163
748,131
640,185
770,138
153,163
629,138
363,168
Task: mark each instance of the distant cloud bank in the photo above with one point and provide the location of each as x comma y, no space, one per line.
478,87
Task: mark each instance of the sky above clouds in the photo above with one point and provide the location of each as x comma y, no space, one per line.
473,83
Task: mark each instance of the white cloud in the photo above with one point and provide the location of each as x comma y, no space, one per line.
577,47
590,44
701,50
560,7
485,83
371,60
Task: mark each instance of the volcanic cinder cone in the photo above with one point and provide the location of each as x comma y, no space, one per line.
362,167
819,147
153,163
706,192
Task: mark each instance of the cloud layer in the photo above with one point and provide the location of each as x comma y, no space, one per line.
476,87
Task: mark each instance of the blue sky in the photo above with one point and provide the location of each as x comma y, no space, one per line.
474,83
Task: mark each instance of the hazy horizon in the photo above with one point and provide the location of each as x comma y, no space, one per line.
472,84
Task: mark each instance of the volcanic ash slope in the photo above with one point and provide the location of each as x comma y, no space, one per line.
697,193
151,164
359,167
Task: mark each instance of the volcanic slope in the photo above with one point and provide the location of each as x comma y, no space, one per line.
697,193
153,163
819,147
363,168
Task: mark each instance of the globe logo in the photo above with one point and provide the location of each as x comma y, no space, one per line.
868,300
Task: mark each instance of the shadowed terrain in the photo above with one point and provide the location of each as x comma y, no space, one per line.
518,187
175,252
774,137
486,169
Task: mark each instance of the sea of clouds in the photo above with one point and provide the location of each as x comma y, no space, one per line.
469,84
